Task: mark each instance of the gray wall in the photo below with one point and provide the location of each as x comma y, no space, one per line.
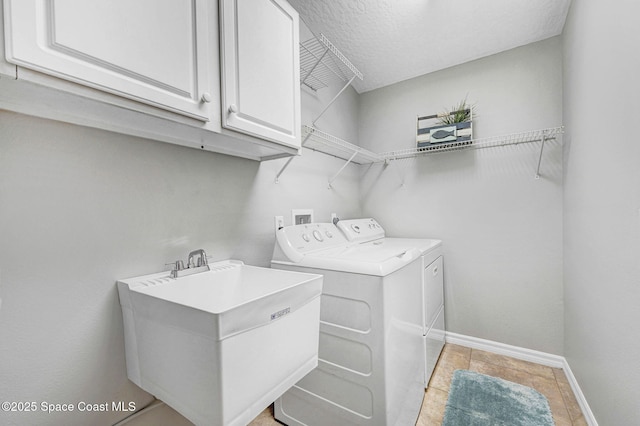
80,208
502,229
602,206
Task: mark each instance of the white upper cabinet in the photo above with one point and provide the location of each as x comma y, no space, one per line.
157,69
152,51
260,69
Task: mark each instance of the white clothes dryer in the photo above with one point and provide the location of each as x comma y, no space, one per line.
367,232
371,366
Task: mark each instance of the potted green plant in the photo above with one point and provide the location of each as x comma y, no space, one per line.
458,114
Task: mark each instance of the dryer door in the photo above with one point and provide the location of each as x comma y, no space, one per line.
433,291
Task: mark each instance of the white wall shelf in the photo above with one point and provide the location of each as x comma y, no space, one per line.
323,142
326,143
321,62
542,136
332,145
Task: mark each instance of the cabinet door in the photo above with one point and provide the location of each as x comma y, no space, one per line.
260,69
152,51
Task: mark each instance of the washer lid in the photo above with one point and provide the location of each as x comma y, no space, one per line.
365,253
322,246
357,259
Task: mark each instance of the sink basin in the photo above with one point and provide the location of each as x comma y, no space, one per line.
220,346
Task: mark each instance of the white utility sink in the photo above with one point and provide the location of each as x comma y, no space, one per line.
220,346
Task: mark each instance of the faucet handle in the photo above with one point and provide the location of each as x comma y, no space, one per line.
204,260
178,265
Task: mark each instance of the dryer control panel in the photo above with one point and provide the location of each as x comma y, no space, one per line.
361,230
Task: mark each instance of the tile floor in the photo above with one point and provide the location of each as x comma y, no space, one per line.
551,382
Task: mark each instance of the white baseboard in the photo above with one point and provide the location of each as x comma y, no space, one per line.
543,358
525,354
582,401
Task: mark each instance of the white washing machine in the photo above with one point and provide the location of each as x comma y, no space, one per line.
361,230
371,365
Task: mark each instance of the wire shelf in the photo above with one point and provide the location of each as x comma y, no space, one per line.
320,141
321,62
495,141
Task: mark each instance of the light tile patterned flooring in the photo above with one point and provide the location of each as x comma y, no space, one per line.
551,382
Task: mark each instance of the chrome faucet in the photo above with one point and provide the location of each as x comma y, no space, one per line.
202,265
202,259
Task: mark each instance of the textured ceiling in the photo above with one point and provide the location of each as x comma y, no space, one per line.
391,41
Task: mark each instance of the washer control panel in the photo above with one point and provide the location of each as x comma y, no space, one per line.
304,238
361,229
